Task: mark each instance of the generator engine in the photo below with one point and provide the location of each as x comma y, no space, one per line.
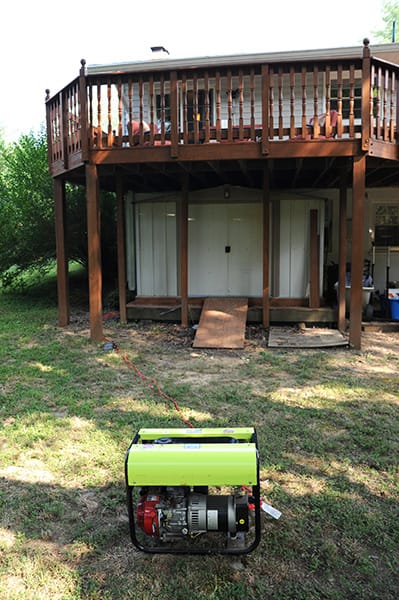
175,513
194,491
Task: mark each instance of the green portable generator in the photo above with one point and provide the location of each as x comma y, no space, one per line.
194,491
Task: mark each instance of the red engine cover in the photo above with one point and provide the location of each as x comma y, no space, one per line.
147,515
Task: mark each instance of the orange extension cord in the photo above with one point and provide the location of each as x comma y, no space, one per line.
151,383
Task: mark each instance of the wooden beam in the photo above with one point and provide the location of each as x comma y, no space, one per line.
358,210
342,250
62,258
314,279
94,253
266,247
120,233
183,218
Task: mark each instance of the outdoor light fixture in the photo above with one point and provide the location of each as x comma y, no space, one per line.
159,49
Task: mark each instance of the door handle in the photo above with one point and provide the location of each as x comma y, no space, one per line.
227,249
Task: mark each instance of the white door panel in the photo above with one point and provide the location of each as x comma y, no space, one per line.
294,246
225,250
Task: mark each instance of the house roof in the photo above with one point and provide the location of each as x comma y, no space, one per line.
388,52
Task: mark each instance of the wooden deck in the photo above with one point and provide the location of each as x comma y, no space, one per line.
222,323
266,122
276,109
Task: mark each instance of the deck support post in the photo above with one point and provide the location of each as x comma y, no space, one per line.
183,214
358,210
62,258
120,234
94,253
266,247
342,251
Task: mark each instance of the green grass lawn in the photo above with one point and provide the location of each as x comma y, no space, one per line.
328,428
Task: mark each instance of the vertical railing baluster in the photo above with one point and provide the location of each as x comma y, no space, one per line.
84,128
185,108
76,117
120,113
90,111
378,106
195,109
266,77
141,111
351,101
64,129
152,124
271,104
391,108
218,107
292,102
99,118
371,101
162,108
252,92
240,105
130,110
396,134
280,103
328,129
207,119
73,117
49,130
339,101
109,131
229,107
174,117
385,108
316,128
304,101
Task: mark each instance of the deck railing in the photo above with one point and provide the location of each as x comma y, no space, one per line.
258,103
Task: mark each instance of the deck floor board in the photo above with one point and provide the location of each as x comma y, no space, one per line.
222,323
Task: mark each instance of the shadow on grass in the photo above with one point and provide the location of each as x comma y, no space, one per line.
337,542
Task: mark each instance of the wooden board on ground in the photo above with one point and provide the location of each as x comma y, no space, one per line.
222,323
305,337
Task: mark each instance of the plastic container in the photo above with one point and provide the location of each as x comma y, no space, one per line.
394,306
366,293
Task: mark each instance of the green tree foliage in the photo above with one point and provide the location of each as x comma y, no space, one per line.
26,206
390,16
27,232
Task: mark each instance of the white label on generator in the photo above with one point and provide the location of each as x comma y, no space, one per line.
273,512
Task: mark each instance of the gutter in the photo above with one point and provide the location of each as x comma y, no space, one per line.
162,64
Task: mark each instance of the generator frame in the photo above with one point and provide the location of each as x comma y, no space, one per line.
195,459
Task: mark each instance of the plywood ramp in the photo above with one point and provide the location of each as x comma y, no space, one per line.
222,323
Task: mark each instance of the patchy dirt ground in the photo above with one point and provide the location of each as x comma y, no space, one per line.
171,342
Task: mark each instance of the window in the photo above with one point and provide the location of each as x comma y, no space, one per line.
163,111
387,225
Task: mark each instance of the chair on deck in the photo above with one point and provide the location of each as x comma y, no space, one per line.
322,124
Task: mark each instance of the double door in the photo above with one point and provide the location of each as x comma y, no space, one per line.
225,249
